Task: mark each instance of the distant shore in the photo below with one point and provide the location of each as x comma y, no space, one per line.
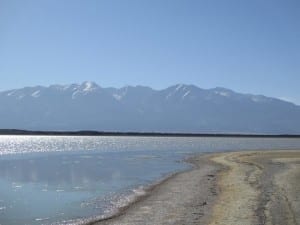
249,187
142,134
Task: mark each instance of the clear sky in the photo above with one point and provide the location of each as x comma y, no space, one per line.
248,46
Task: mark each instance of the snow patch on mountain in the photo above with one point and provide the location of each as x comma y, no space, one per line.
259,98
121,93
75,93
118,97
36,94
179,86
19,97
11,93
222,93
175,90
186,94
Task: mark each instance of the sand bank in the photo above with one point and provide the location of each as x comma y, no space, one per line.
227,188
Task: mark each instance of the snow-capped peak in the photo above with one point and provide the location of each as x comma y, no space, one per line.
89,86
180,90
83,89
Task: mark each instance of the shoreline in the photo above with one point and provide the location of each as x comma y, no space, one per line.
246,187
158,205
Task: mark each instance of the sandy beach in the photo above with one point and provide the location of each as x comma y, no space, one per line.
249,187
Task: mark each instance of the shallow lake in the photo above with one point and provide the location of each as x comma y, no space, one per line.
71,179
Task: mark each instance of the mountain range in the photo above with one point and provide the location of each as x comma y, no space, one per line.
178,108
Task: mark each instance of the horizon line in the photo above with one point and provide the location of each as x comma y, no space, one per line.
139,133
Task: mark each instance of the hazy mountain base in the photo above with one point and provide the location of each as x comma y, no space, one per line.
179,108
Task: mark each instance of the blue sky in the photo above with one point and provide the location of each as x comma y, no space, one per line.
248,46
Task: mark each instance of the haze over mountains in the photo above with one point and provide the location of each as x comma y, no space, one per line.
179,108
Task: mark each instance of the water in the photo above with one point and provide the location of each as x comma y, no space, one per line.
54,179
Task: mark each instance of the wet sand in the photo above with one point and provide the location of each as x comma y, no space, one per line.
253,187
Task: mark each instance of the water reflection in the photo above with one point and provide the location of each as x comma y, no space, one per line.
61,186
70,170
